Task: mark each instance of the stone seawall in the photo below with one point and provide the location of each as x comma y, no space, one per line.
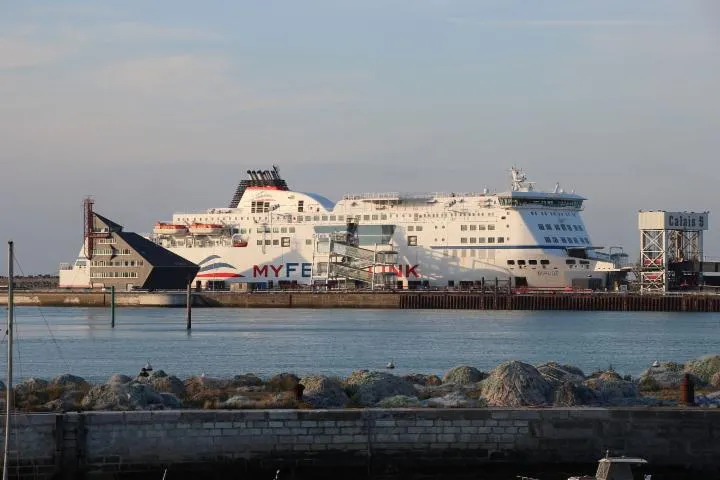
107,442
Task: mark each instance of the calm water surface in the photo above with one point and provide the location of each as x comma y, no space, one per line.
226,342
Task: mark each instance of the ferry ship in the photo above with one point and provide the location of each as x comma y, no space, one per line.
271,236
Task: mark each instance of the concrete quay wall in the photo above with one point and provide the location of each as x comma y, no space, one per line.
125,442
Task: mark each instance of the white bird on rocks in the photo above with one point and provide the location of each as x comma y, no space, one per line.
656,364
390,365
148,367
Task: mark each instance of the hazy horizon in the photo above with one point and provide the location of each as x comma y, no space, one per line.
155,108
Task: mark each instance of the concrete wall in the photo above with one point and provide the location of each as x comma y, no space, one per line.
95,299
299,300
138,441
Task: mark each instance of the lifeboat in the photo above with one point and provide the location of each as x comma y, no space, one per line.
169,229
239,241
206,228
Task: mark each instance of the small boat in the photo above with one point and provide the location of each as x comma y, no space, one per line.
170,229
239,241
610,468
206,228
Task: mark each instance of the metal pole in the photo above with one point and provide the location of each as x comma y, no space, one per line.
8,391
112,306
188,308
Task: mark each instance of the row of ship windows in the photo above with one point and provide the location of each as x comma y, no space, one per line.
333,218
106,241
112,251
274,230
576,240
569,261
117,263
558,214
561,226
464,228
283,242
482,240
114,275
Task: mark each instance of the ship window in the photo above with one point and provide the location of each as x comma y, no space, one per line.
299,218
473,240
291,229
532,262
412,241
521,262
570,262
564,227
324,218
580,227
584,262
541,226
333,218
276,242
548,226
374,217
259,242
544,262
511,262
285,241
481,227
308,241
341,217
308,218
267,242
574,227
557,227
463,240
411,228
418,228
463,228
491,227
501,240
276,230
563,239
283,230
473,227
555,240
481,240
366,217
548,240
301,206
491,239
383,217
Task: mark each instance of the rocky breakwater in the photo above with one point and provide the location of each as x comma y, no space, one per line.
511,384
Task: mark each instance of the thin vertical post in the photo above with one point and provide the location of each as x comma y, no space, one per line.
188,308
112,306
8,391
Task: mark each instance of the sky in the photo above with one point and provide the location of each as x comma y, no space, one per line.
160,107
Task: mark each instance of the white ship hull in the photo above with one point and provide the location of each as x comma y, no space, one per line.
273,236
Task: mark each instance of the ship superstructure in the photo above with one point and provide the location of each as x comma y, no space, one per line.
273,236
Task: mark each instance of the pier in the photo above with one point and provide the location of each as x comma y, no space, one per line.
442,300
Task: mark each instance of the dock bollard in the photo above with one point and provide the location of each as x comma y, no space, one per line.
687,390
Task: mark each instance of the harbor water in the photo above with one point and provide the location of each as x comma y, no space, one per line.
226,342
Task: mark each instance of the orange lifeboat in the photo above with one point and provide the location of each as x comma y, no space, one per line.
206,228
169,229
239,241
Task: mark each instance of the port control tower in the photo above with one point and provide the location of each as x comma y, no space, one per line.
671,250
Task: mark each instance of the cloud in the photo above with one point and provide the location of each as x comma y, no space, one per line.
552,23
16,53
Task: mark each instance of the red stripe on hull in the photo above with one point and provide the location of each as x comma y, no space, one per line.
219,275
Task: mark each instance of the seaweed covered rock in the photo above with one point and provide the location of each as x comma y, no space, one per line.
610,388
282,382
570,394
463,375
246,380
236,402
423,380
118,396
557,374
399,401
456,399
170,401
715,380
369,387
324,392
664,375
516,384
704,367
164,383
118,378
69,382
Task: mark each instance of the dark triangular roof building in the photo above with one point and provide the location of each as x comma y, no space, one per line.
129,261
